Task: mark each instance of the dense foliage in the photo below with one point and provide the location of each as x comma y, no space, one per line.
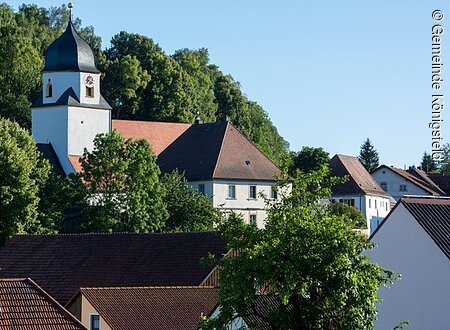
189,210
368,156
309,159
122,181
23,174
139,79
428,164
307,259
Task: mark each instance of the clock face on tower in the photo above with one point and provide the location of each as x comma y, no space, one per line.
89,81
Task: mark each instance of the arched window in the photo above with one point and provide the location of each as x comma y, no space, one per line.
49,89
89,91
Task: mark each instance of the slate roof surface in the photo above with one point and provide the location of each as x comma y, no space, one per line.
216,151
158,134
70,53
70,98
443,181
47,151
62,264
422,175
157,308
25,306
411,178
433,214
359,182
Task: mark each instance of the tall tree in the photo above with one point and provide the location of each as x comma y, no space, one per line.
23,173
428,164
306,260
368,156
124,190
188,209
309,159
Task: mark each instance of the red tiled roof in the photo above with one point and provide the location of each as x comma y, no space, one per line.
64,263
158,134
432,214
75,161
25,306
152,307
359,182
217,151
411,178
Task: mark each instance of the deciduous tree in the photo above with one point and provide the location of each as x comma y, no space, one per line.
23,173
309,159
307,259
124,190
189,210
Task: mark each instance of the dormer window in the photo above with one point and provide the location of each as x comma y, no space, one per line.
49,89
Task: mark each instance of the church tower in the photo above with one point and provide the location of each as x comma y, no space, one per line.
70,111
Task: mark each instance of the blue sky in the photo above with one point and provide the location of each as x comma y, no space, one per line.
329,73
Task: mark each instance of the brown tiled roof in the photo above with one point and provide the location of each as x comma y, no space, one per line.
422,175
62,264
359,180
25,306
411,178
432,214
443,181
217,151
158,134
76,163
156,308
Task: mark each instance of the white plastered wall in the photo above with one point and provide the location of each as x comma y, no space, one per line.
422,295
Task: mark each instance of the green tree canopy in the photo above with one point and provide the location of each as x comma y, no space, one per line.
188,209
123,186
23,173
368,156
351,213
444,164
428,164
309,159
307,259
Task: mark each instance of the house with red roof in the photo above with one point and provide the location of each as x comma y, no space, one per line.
360,190
399,183
216,158
137,308
414,241
24,305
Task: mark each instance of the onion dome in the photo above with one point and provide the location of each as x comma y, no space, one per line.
70,53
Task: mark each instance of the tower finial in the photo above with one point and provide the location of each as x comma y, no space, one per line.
70,6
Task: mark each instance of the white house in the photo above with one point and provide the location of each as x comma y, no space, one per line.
414,241
360,190
398,182
216,158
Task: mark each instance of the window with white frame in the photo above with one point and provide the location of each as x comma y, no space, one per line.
370,203
253,219
403,187
252,192
94,322
232,191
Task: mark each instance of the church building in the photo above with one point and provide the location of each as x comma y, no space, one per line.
216,158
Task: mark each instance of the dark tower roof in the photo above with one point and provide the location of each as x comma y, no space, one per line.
70,53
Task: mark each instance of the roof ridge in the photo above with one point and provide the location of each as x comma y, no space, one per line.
148,287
